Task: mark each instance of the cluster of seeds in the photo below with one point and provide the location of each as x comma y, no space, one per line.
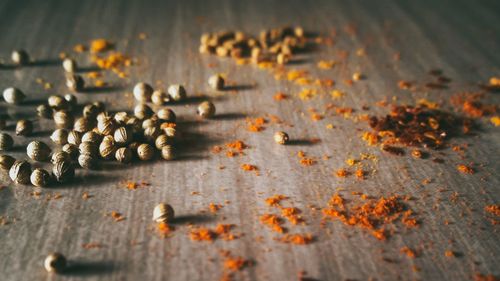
273,45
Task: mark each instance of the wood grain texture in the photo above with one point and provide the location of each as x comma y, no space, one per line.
460,37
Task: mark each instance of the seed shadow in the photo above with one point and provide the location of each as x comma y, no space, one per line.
33,102
8,67
242,87
88,268
41,134
192,219
88,179
45,62
191,100
86,69
229,116
301,142
104,89
298,61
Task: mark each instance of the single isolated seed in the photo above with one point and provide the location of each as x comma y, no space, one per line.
69,65
123,135
177,92
6,141
74,137
71,149
123,155
75,82
206,109
13,95
20,57
63,119
143,111
60,156
159,97
163,213
55,262
59,136
167,115
20,172
58,102
40,177
24,127
107,149
63,171
142,92
216,82
44,111
6,162
38,151
167,152
281,137
87,161
71,99
145,152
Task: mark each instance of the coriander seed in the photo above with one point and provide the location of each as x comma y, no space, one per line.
216,82
121,117
63,119
63,171
20,57
167,115
69,65
145,152
167,152
162,140
13,95
123,155
57,102
159,97
87,161
88,148
123,135
135,125
38,151
177,92
163,213
83,125
74,137
55,262
106,126
151,122
71,149
40,177
6,162
142,92
151,133
91,136
281,137
72,100
59,136
60,156
75,82
20,172
143,111
24,127
206,109
6,141
44,111
107,149
171,132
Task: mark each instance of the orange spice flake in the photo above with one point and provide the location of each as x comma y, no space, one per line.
370,138
408,252
360,174
316,117
100,45
493,209
342,173
297,239
235,263
280,96
117,216
465,169
249,167
273,221
79,48
214,207
164,229
201,234
113,61
449,254
275,200
323,64
131,185
292,215
92,245
404,85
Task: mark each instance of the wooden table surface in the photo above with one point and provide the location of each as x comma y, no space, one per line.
461,38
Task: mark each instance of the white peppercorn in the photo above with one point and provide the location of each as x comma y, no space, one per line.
123,135
167,152
60,156
13,95
107,149
123,155
167,115
74,137
88,148
20,57
63,119
106,126
40,177
20,172
87,161
44,111
281,137
206,109
151,133
55,262
57,102
162,140
83,125
6,162
163,213
177,92
216,82
91,136
75,82
159,97
38,151
69,65
6,141
103,115
145,152
71,149
142,92
143,111
63,171
24,127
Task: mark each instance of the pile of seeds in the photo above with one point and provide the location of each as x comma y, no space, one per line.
273,45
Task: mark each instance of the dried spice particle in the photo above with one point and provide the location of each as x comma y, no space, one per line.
79,48
370,138
92,245
489,277
306,161
164,229
235,263
275,200
493,209
306,94
292,214
472,105
360,174
256,125
316,117
324,64
214,207
342,173
202,234
404,85
223,231
117,216
132,185
337,94
464,169
495,120
273,221
449,254
100,45
249,167
408,252
280,96
297,239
